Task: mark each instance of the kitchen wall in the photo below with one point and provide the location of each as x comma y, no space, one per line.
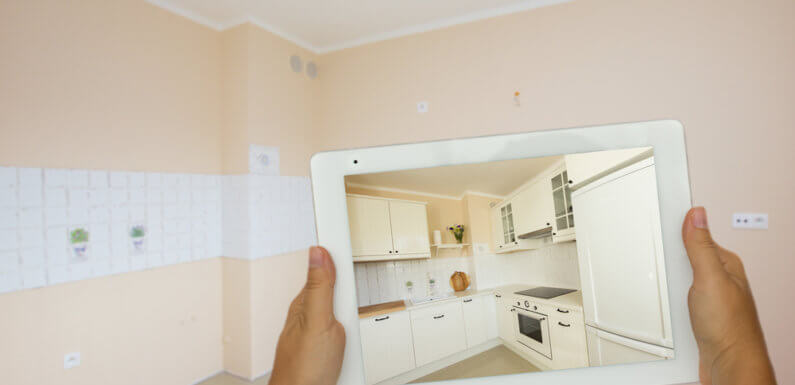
552,265
720,67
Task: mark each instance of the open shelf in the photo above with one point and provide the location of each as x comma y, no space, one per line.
450,245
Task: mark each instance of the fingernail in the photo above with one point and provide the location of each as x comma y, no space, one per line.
315,257
699,218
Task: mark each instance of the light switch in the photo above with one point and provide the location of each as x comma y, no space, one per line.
71,360
422,107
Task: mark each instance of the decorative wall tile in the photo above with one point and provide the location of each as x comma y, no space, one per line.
30,178
56,177
8,197
8,177
78,178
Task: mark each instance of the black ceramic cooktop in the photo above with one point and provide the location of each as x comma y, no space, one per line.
544,292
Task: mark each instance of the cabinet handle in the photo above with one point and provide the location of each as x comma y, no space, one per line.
564,325
541,319
554,233
497,295
382,319
513,309
570,182
397,251
548,224
439,316
467,300
390,251
563,311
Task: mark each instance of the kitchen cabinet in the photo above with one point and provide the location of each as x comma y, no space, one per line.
438,332
505,235
387,347
533,208
621,259
587,167
563,209
387,229
567,332
480,319
505,318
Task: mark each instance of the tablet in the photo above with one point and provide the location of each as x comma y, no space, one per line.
549,257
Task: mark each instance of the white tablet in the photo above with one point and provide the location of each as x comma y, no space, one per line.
551,257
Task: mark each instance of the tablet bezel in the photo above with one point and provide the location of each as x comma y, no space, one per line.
328,171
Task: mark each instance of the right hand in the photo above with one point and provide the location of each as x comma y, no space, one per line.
722,312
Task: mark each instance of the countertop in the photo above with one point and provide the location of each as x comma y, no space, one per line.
571,301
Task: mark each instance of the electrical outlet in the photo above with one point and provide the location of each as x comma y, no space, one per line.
749,221
422,107
71,360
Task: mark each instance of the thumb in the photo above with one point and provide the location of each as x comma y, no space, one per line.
319,288
704,253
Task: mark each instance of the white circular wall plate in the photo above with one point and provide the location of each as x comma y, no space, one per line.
311,69
296,64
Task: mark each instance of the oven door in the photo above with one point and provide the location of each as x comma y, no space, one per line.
532,330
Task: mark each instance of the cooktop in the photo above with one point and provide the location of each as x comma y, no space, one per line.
545,292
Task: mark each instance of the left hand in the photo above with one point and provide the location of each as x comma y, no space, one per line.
312,344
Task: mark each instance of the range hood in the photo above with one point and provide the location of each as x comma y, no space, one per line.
542,233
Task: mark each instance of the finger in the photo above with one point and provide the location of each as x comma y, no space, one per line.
701,249
319,289
733,264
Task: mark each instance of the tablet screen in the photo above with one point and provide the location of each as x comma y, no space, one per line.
508,267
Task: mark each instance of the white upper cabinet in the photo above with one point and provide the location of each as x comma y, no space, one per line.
371,231
533,208
387,229
563,209
387,347
409,227
619,236
587,167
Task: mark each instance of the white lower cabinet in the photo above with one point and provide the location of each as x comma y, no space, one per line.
567,334
480,319
505,319
386,346
438,332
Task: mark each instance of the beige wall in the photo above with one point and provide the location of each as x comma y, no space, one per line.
116,85
724,68
160,326
478,213
96,84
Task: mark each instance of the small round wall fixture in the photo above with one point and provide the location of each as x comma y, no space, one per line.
296,64
311,69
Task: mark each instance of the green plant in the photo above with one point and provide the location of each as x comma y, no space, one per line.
409,284
137,232
78,236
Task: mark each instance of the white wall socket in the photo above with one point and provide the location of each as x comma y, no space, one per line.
71,360
749,221
422,107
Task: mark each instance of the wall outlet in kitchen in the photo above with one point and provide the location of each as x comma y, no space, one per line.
71,360
422,107
263,160
749,221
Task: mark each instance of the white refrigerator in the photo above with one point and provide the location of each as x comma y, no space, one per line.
622,269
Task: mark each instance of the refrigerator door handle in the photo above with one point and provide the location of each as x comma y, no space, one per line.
642,346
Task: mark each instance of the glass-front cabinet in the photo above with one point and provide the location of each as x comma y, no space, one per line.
563,224
508,233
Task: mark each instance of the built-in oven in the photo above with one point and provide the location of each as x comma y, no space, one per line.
532,330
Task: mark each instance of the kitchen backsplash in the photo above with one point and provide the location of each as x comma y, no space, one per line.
553,265
379,282
59,225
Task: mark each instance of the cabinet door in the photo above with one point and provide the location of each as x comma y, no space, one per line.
584,168
371,233
567,333
610,349
533,208
438,332
387,347
505,319
409,227
480,319
496,228
622,270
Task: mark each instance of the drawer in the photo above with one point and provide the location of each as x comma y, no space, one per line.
431,311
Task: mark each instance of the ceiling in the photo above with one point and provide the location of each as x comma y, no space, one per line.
493,178
329,25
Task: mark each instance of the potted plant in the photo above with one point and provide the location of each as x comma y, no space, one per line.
138,236
458,232
78,240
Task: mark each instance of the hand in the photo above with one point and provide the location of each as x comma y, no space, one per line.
312,344
730,341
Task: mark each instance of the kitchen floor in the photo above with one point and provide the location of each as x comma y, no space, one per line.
494,362
228,379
